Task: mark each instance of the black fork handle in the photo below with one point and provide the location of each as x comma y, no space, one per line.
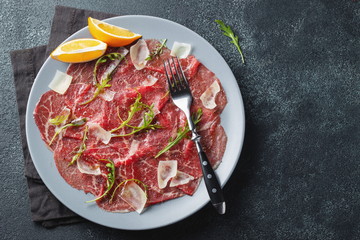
211,181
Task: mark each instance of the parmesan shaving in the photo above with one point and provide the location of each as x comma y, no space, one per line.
61,82
107,95
138,53
134,196
88,169
208,97
166,171
180,50
156,105
133,147
150,80
99,132
180,179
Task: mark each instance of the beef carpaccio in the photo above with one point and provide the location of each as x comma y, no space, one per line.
132,155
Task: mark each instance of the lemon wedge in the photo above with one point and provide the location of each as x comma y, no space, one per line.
112,35
79,50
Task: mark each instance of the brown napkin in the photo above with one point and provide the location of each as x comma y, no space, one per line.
45,208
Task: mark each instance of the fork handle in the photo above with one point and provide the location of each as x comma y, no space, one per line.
211,182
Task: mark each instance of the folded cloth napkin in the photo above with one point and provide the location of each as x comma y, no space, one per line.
45,208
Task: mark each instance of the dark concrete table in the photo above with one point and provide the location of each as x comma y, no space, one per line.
299,173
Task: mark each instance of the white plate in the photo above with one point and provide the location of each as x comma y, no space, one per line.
168,212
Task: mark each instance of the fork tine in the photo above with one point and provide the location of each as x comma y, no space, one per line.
170,82
181,74
175,75
179,77
176,78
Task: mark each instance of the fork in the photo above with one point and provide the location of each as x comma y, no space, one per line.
182,98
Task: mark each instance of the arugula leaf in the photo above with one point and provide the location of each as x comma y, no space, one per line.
99,88
181,134
58,119
104,82
75,123
135,107
148,117
61,118
157,51
234,39
82,147
111,56
125,181
110,178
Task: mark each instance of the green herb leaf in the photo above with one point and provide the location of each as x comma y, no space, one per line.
157,51
82,147
58,119
234,39
104,82
148,117
127,180
110,178
99,89
75,123
135,107
181,134
111,56
61,118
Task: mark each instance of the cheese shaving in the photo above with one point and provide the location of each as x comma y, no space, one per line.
133,147
134,196
86,168
180,179
208,97
138,53
180,50
99,132
61,82
107,95
166,171
150,80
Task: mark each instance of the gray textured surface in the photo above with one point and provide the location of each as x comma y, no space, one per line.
299,173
